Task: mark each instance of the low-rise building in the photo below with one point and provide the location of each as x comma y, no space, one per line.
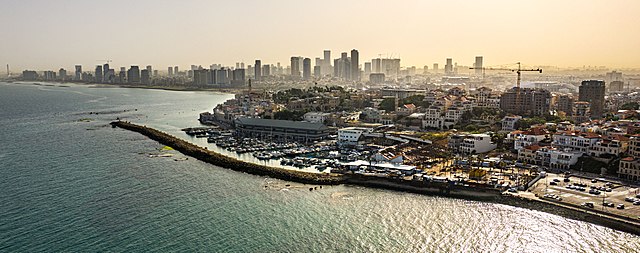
471,143
509,122
316,117
629,168
613,145
549,157
281,130
352,136
578,141
530,137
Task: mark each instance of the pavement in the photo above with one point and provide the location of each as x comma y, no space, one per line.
617,195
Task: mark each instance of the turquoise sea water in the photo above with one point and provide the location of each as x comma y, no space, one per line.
71,183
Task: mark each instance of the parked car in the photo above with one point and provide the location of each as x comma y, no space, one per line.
553,183
620,206
588,204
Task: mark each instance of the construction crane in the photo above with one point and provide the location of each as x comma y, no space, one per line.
518,71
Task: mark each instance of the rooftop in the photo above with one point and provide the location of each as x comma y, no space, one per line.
281,123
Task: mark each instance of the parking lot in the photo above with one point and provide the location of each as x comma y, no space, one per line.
590,194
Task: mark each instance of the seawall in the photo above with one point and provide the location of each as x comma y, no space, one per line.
214,158
472,193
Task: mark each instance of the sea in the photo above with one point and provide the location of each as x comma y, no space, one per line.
71,183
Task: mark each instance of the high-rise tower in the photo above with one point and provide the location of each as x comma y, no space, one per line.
355,70
592,91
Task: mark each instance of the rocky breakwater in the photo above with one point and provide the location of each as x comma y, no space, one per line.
217,159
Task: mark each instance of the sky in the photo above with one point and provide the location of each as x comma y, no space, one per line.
44,34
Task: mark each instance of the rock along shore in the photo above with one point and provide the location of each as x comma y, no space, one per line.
489,195
217,159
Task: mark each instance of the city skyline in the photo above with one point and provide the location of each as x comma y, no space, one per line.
50,35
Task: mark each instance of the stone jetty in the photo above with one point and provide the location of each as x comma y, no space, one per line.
217,159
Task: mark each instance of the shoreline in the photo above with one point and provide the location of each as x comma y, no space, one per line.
223,90
444,190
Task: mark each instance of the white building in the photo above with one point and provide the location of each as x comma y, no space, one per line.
352,136
471,143
477,144
578,141
446,111
509,122
316,117
629,168
613,146
527,138
549,157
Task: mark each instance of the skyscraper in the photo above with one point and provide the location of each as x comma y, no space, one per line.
98,74
367,69
355,63
306,69
170,71
150,70
344,66
238,77
133,74
326,62
295,66
145,76
377,65
435,68
448,68
258,70
478,65
592,91
62,74
175,71
78,72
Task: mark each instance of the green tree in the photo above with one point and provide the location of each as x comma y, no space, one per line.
630,106
388,104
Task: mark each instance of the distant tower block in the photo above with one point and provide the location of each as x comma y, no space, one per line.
478,65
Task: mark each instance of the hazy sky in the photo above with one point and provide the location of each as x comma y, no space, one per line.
52,34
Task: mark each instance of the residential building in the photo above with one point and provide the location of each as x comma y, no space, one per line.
78,73
581,112
306,69
509,122
471,143
610,146
529,137
295,67
526,101
578,141
564,103
133,74
258,70
549,157
316,117
592,91
629,168
355,61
